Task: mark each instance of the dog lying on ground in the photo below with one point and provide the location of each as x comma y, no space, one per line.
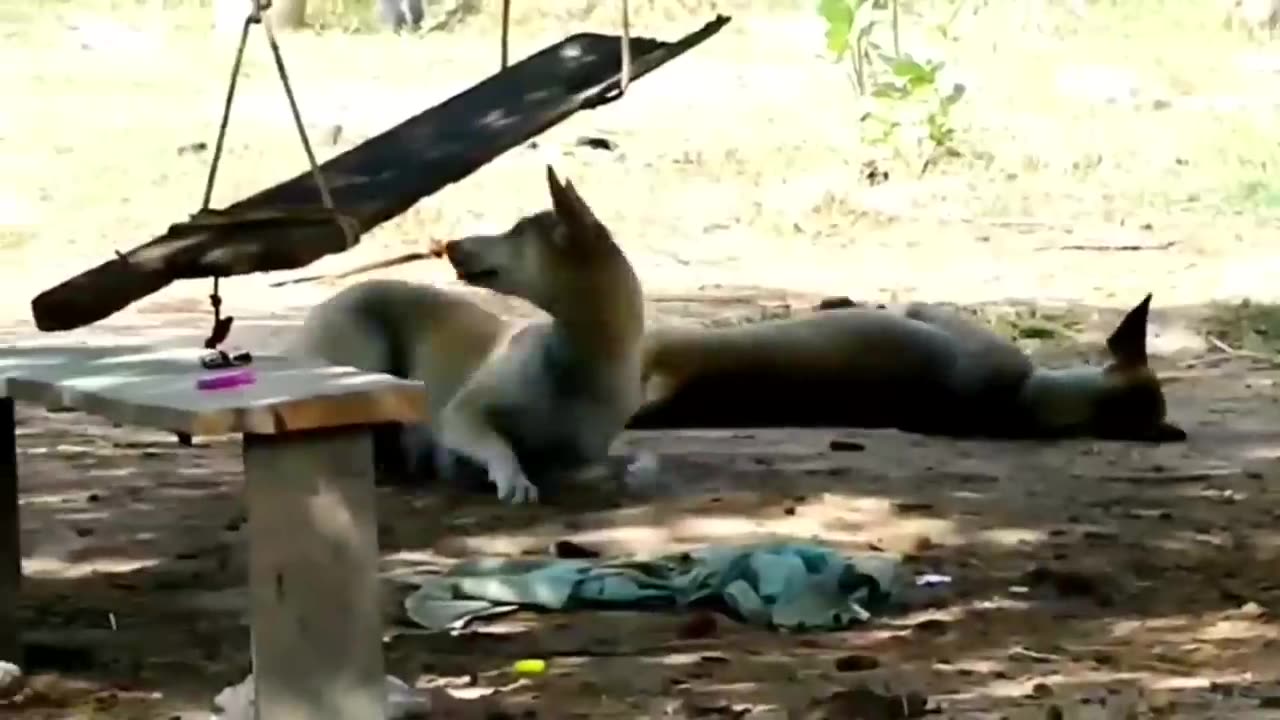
927,370
524,401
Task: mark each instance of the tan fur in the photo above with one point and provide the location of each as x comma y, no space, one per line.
927,369
517,398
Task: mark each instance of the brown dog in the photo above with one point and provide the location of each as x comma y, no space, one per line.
926,370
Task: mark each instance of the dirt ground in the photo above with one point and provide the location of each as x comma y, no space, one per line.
1087,576
1084,573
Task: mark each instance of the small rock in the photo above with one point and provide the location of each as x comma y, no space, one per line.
863,703
873,174
839,445
701,625
1041,690
932,626
1223,689
1251,610
856,663
596,143
1065,583
569,550
333,134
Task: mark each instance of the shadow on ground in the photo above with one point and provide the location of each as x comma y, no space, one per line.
1080,570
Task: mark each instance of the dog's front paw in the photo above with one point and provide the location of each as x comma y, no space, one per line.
512,485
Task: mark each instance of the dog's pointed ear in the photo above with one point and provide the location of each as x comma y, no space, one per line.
569,206
553,182
1128,342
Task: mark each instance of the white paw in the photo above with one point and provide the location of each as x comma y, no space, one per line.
512,486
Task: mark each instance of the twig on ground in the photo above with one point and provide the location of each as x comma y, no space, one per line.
1110,248
1174,476
1211,359
1221,345
1026,224
1267,359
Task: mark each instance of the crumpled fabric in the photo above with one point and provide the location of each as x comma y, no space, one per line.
788,586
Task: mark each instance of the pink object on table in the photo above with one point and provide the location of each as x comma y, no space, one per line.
225,381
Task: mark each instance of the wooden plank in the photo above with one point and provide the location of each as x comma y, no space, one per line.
33,357
371,183
313,560
10,535
157,389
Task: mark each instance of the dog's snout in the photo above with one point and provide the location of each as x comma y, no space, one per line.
462,253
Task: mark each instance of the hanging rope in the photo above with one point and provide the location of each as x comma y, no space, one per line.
625,78
222,326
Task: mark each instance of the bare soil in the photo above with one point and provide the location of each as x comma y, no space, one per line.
1083,572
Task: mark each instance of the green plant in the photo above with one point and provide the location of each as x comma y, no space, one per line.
849,27
914,115
910,111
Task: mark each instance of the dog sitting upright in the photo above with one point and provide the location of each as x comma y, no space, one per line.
521,400
927,370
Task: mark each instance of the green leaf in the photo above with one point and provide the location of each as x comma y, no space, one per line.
891,91
836,12
839,17
1037,331
918,82
906,67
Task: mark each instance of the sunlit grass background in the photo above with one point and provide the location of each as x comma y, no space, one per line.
1139,118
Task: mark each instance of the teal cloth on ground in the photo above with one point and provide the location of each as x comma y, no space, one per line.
791,586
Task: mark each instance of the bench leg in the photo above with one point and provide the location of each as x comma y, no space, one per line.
10,534
313,583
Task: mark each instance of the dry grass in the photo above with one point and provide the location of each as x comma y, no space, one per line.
739,163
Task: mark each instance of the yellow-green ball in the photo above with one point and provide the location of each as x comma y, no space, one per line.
529,666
